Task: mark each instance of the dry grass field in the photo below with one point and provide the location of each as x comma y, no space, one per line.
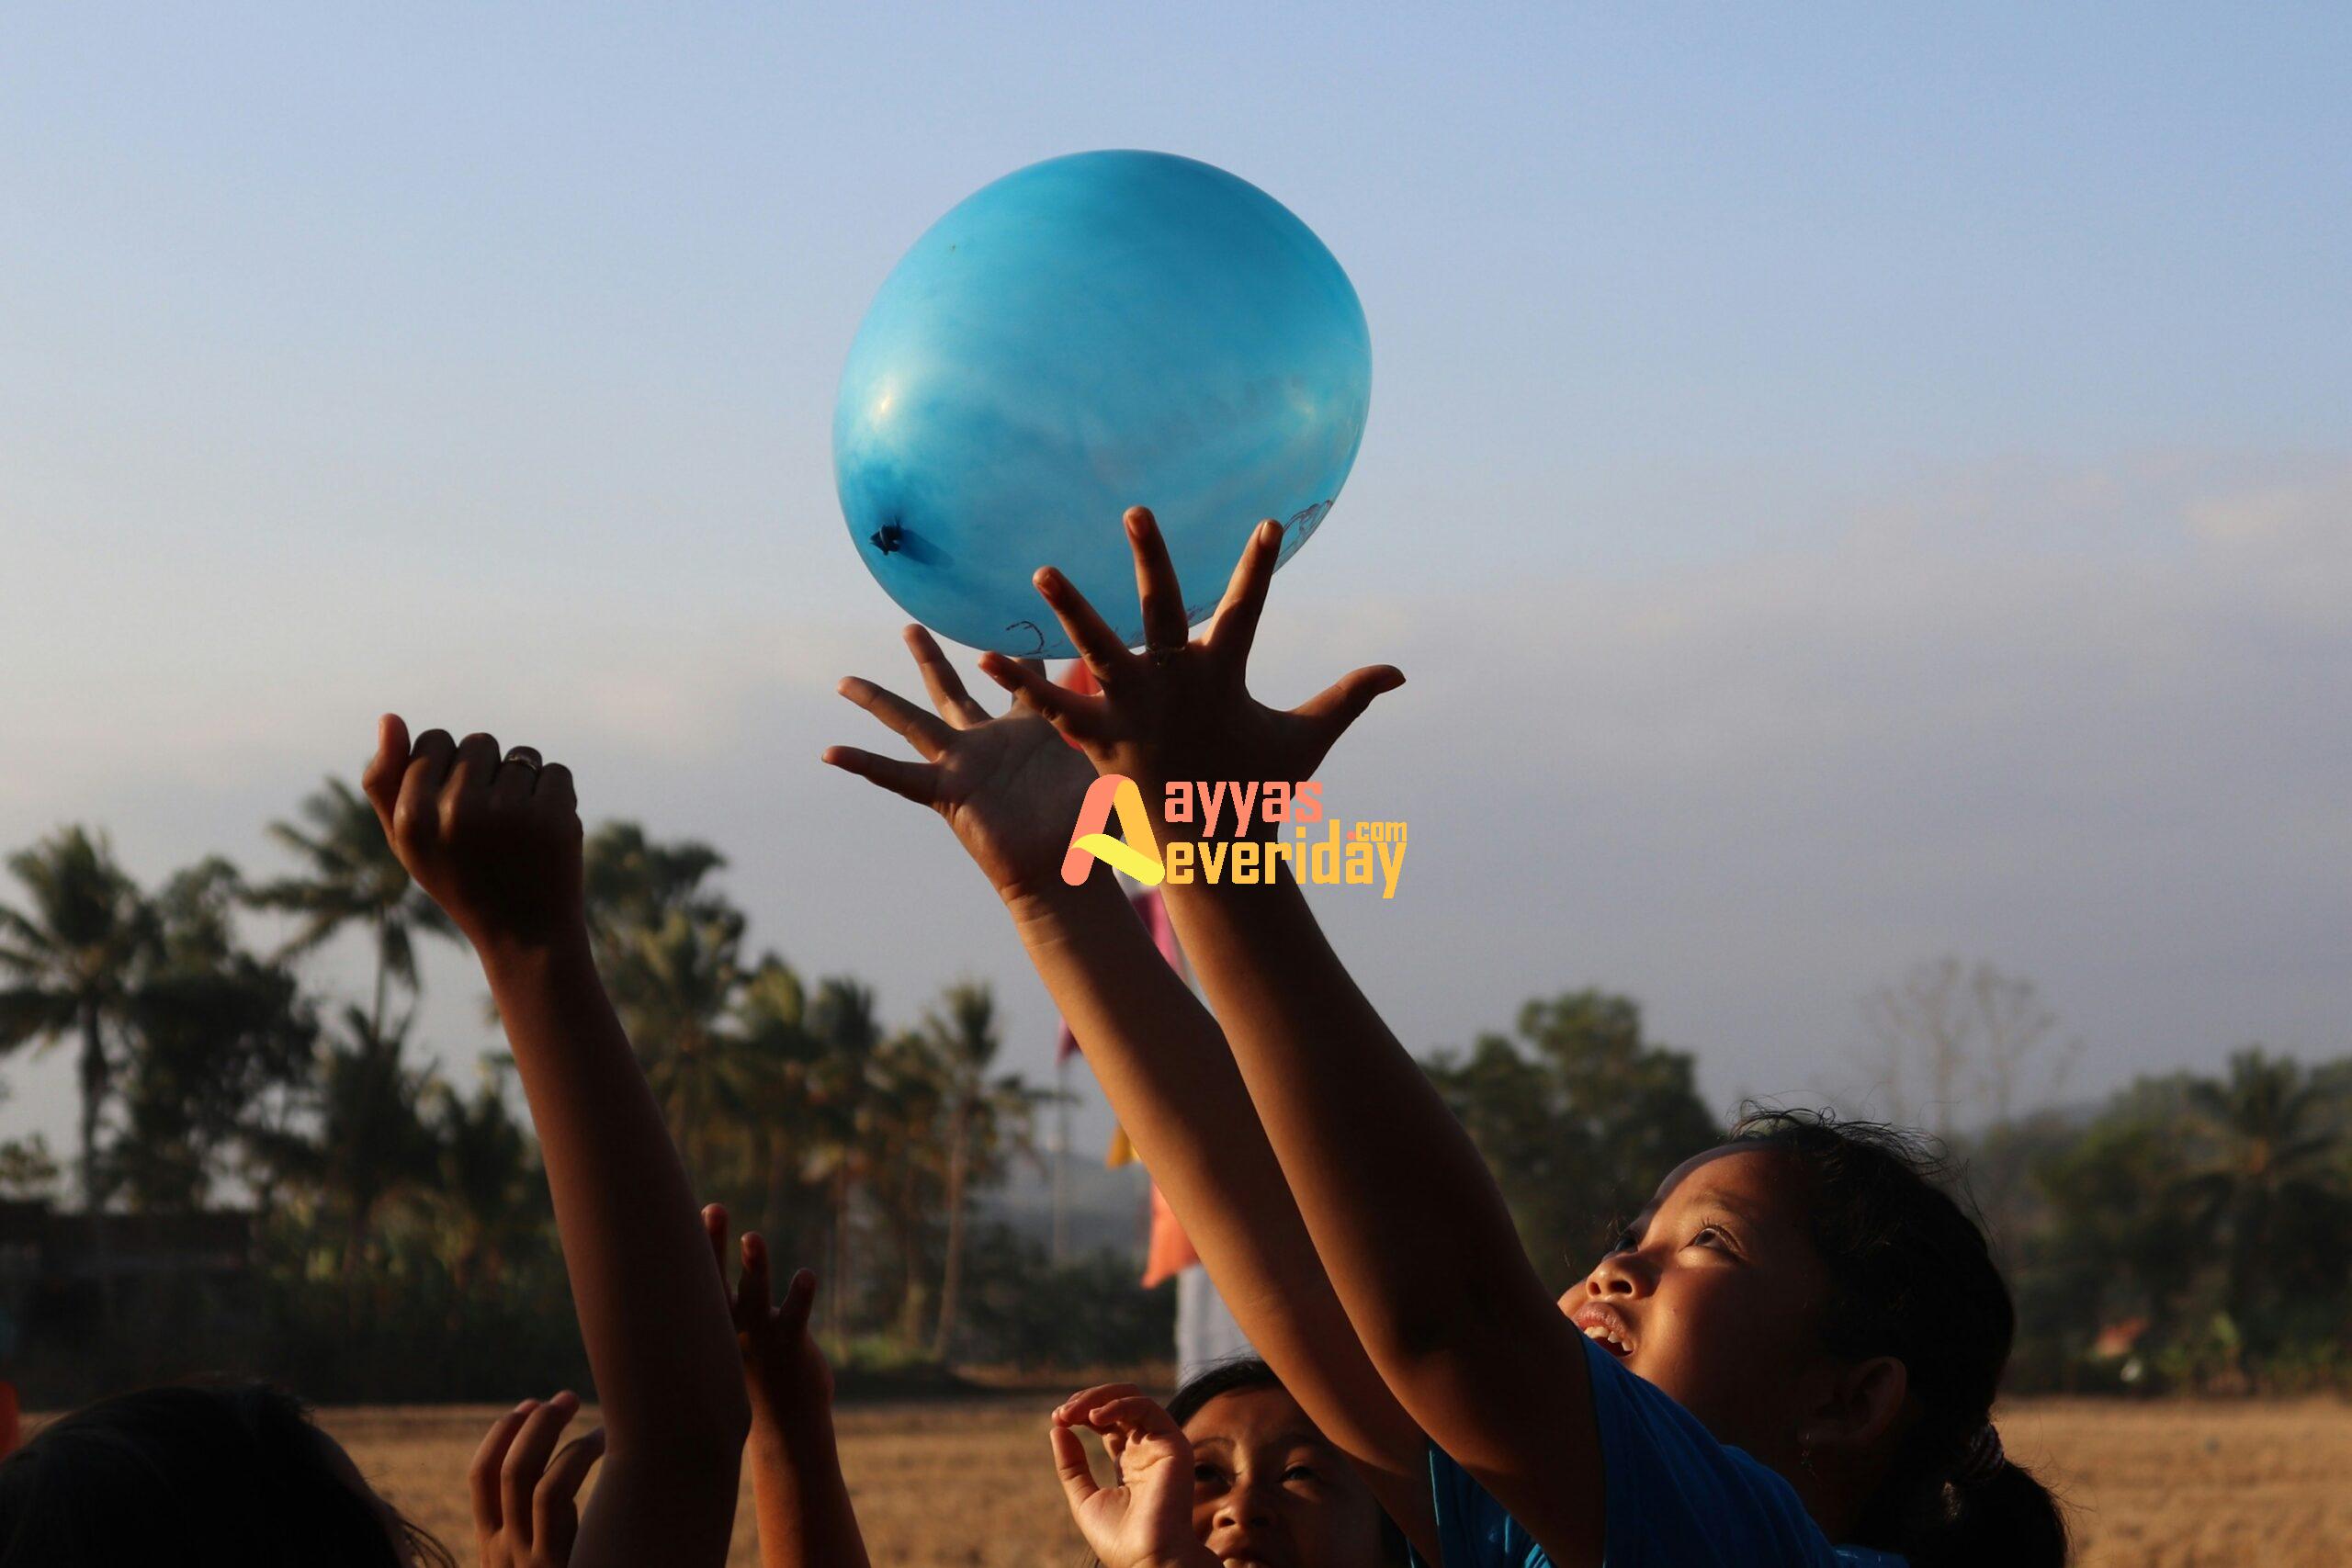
2165,1485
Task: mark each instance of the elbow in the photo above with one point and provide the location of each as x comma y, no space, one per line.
1415,1316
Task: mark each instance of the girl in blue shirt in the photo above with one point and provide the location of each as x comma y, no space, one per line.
1790,1358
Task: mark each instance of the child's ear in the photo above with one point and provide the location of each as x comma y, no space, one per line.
1861,1411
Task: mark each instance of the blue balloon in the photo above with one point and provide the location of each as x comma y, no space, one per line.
1089,334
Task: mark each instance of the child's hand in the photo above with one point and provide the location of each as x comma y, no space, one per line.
1010,786
1144,1519
784,1371
1181,710
495,842
525,1514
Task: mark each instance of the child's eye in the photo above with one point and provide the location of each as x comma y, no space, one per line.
1299,1473
1205,1475
1713,1236
1628,1240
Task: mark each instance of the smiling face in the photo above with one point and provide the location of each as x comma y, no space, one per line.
1715,1294
1268,1491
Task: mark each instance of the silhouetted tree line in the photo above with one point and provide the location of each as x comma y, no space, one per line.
391,1237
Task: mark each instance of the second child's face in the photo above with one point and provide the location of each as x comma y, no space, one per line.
1714,1296
1268,1491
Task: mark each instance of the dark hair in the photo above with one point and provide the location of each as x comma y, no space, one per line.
1247,1374
1912,1278
234,1472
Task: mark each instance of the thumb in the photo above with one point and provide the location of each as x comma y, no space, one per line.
1071,1465
1339,704
381,781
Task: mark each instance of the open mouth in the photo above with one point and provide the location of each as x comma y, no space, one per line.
1606,1327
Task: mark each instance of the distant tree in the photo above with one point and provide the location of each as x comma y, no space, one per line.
903,1162
770,1018
1579,1118
842,1086
217,1042
670,952
488,1191
351,878
988,1113
2122,1237
74,960
27,1170
1974,1033
2268,1181
369,1142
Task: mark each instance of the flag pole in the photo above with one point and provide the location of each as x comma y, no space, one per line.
1061,1160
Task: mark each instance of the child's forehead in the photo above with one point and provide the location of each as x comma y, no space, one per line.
1251,1415
1760,1185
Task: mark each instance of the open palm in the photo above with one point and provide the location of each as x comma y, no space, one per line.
1182,709
1008,784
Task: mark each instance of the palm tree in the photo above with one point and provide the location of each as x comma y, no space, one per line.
632,880
372,1142
353,878
771,1018
841,1099
674,985
2269,1150
982,1114
488,1190
672,956
75,961
904,1158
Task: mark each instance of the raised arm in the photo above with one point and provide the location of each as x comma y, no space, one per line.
497,844
806,1519
1010,789
1404,1213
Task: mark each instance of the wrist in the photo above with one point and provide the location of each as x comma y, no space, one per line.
1052,908
798,1432
510,958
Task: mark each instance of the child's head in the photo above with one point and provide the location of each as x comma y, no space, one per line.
1809,1294
235,1472
1267,1486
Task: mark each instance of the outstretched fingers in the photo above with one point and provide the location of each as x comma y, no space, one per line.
800,1300
939,678
1343,702
919,782
527,1460
1165,624
925,732
752,1300
714,1230
1076,714
481,1475
1102,649
1234,625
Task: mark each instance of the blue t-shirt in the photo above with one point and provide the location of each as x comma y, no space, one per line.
1674,1497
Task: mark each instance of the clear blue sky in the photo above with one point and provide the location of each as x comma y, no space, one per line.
1877,483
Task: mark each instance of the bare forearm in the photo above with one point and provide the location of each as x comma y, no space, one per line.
1403,1211
652,1311
806,1518
1164,1064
